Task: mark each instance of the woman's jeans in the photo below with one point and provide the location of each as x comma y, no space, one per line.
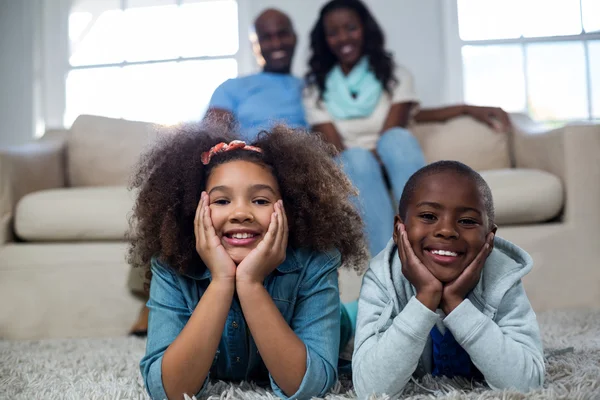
401,156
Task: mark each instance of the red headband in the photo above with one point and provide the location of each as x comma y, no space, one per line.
223,147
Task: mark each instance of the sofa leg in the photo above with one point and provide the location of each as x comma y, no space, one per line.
140,327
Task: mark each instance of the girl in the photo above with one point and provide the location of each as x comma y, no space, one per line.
244,243
362,102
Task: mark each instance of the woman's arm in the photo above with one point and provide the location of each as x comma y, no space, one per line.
330,134
496,118
398,116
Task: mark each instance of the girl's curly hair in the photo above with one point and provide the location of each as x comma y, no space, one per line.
315,192
322,59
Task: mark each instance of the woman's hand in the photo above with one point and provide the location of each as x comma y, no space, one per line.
455,292
495,117
269,253
429,288
209,246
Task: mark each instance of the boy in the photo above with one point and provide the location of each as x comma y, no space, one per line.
444,297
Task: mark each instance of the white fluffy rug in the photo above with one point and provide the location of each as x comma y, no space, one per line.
108,369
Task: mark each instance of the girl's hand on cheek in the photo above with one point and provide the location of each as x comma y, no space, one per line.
455,292
269,253
209,246
429,288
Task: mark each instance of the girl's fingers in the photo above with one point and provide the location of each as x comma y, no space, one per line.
280,236
197,218
285,225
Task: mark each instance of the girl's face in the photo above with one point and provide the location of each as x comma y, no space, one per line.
242,197
344,35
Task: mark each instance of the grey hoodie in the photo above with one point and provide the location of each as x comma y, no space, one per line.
495,325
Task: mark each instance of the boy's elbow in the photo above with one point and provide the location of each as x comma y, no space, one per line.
523,382
367,383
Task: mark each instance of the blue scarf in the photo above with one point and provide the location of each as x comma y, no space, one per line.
339,88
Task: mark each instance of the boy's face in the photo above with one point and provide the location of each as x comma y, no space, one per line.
446,223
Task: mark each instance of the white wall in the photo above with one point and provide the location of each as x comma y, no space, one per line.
34,51
413,28
19,62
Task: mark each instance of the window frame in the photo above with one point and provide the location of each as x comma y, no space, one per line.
54,34
455,71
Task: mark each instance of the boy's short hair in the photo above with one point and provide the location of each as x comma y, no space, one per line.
447,166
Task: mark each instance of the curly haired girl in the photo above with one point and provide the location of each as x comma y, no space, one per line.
244,243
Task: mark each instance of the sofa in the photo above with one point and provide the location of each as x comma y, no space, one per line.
64,208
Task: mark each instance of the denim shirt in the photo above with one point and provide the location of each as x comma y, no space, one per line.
305,290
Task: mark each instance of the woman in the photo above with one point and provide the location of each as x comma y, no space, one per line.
361,102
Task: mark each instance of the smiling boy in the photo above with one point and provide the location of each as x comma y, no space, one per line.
445,296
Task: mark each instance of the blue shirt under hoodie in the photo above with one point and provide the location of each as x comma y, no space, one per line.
495,325
305,290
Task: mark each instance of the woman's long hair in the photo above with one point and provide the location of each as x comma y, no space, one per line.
322,59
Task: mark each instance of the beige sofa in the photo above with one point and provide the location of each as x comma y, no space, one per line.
64,208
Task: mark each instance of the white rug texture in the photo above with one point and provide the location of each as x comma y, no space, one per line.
108,369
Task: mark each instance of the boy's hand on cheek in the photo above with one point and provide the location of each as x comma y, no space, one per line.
429,288
209,246
455,292
269,253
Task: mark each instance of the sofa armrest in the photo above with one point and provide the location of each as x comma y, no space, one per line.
25,169
571,153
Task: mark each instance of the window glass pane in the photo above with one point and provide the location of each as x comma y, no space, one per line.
557,81
172,92
208,28
195,83
489,19
493,76
550,18
591,15
151,33
95,32
594,55
95,91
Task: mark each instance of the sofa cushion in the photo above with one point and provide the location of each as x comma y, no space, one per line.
466,140
524,196
102,151
74,214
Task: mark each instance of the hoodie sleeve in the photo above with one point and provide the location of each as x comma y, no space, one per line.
387,349
508,350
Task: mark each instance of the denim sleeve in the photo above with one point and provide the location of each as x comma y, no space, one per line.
168,315
316,321
223,97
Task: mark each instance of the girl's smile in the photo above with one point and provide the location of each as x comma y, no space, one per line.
242,197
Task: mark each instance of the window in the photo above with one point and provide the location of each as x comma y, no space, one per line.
535,56
149,60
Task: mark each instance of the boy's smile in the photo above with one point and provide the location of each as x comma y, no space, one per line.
242,197
446,223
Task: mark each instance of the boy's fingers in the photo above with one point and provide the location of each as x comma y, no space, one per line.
479,261
401,250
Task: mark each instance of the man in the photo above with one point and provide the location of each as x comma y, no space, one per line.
252,103
255,102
